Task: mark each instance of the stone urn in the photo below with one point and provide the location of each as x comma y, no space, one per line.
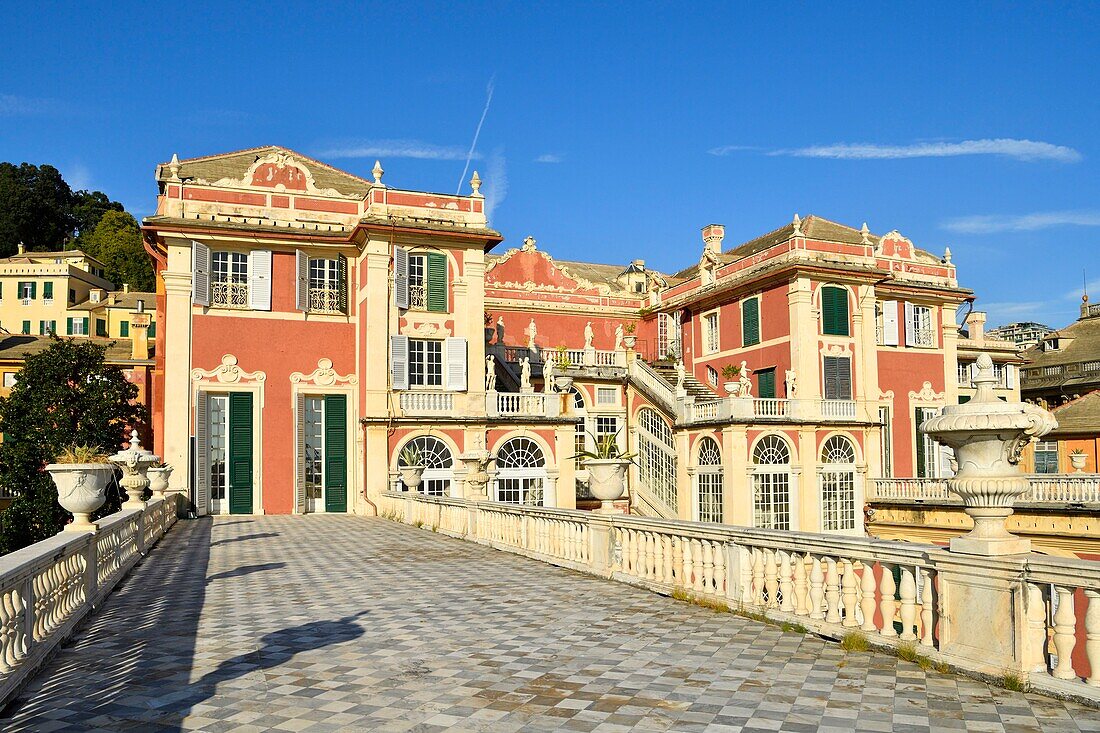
564,383
732,388
607,480
411,476
988,436
477,474
1078,460
81,489
630,340
158,480
135,463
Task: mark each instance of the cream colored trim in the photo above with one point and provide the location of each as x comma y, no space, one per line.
227,373
298,316
926,394
323,376
324,380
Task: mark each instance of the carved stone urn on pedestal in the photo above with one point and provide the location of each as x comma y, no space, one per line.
987,436
158,480
135,462
477,473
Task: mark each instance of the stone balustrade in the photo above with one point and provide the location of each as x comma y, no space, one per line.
1060,489
416,403
580,358
752,409
894,593
522,404
46,589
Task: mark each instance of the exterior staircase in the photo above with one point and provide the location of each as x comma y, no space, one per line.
694,387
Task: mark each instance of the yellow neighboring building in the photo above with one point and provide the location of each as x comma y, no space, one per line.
66,293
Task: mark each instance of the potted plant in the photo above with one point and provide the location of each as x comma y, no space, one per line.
562,362
81,474
606,468
731,373
630,339
1077,459
158,479
410,464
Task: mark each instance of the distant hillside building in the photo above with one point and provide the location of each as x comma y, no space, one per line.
1065,364
1023,334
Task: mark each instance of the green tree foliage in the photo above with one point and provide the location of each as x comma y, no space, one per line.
88,208
65,395
116,242
36,208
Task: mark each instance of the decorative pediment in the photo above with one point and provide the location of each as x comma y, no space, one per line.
324,376
531,269
926,394
278,171
835,349
227,373
894,244
887,396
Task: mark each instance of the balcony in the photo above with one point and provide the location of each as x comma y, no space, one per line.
417,403
1049,489
523,404
770,409
324,300
229,294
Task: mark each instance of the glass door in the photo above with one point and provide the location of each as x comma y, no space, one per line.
315,454
219,453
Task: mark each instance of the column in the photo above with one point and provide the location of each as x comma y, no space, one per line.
177,365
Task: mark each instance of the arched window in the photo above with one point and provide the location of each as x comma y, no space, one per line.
438,465
772,483
521,472
656,458
708,481
837,476
580,441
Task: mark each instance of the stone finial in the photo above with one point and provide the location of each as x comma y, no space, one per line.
475,184
713,234
947,256
377,172
529,243
174,167
865,234
797,225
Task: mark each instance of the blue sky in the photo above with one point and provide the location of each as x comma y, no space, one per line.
614,131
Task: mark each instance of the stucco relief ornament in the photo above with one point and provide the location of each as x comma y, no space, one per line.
324,375
926,394
227,373
987,436
529,244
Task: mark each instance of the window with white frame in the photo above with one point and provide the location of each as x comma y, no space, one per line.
964,373
229,279
607,395
326,292
708,482
710,333
607,425
656,457
772,483
425,363
919,329
438,464
838,484
521,473
886,442
1046,456
927,458
712,376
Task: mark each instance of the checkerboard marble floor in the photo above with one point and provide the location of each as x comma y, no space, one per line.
339,623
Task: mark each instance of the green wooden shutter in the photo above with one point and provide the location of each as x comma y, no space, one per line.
100,327
34,290
918,418
766,383
124,329
68,326
27,328
963,399
834,311
47,290
152,329
240,452
342,284
86,331
437,282
750,321
336,453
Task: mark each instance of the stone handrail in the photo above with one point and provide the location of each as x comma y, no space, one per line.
46,589
894,593
426,403
750,409
527,404
653,384
1066,488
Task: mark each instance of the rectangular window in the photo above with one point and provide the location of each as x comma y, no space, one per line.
45,328
47,293
27,327
428,282
77,327
964,374
771,502
425,363
834,311
229,279
710,333
838,377
765,383
607,395
1046,456
152,329
26,292
327,288
927,452
918,326
124,329
606,425
886,443
10,379
100,327
750,322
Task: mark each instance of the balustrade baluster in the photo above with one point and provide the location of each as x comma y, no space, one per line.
908,604
1092,636
651,556
720,579
887,604
685,553
1036,615
759,597
848,593
1065,639
635,553
786,587
771,578
667,559
867,602
832,591
801,589
927,609
817,589
696,565
708,567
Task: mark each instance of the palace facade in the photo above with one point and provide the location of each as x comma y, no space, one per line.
314,324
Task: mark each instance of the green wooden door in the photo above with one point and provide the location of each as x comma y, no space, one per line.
240,452
336,453
766,380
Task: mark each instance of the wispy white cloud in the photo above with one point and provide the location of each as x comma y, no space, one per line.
395,149
477,132
1026,150
991,223
728,149
495,186
78,176
548,158
16,106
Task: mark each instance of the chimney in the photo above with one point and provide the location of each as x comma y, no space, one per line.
139,334
125,287
22,248
712,237
975,323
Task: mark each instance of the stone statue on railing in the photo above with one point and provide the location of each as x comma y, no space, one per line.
532,332
490,373
548,376
525,375
589,334
789,380
681,376
619,334
745,389
987,436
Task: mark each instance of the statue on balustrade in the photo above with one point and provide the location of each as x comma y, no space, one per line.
532,332
619,337
789,380
746,383
681,375
589,334
490,373
500,330
525,375
548,376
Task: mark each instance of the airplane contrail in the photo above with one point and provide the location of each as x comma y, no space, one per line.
477,133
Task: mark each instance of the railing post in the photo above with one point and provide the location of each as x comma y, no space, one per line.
141,519
28,614
600,544
91,571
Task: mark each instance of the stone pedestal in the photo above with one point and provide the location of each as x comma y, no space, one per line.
135,461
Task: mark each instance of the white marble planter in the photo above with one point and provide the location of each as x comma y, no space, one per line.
563,382
411,476
607,480
158,480
1077,460
630,341
81,489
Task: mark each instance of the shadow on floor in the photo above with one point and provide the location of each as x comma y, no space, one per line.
243,537
246,570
